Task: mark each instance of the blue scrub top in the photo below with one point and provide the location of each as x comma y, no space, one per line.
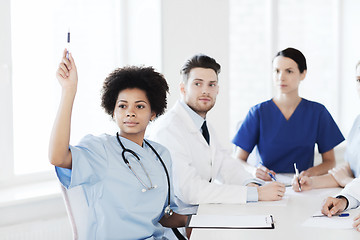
281,142
352,154
118,207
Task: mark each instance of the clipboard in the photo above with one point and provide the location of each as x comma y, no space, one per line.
231,221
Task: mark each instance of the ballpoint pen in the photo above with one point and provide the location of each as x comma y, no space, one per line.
261,166
336,215
68,45
297,175
272,176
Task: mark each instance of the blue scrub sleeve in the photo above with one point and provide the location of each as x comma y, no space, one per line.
64,176
89,163
248,134
329,134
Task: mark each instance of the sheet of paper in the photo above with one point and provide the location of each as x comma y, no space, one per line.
285,178
334,222
281,203
228,221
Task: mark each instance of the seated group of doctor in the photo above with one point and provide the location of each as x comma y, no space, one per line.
132,184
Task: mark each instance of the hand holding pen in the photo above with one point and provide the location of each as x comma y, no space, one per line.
306,183
297,177
333,206
67,73
265,174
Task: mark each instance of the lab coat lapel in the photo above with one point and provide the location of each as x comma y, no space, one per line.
190,125
212,148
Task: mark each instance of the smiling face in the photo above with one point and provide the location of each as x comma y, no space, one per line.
286,75
200,90
132,114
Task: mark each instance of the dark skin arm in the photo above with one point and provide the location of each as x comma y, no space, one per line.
175,221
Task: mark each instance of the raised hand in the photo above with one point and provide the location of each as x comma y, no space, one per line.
67,73
59,153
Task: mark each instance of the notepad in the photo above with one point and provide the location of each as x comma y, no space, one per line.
332,223
233,222
285,179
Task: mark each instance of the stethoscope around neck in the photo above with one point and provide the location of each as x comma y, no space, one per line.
168,211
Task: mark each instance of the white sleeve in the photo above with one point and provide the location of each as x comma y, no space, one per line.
233,171
352,189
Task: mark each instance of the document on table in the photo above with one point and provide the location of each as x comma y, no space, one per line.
285,178
334,222
230,221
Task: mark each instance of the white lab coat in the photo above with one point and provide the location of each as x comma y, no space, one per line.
352,189
195,163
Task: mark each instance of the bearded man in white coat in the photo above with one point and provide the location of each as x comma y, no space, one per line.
203,171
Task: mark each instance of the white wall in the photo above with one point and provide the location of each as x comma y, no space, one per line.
191,27
5,94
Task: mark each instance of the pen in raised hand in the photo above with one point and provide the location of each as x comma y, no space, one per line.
68,45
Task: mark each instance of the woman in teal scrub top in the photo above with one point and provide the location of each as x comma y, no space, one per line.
286,128
123,175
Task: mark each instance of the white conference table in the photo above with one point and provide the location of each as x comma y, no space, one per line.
289,214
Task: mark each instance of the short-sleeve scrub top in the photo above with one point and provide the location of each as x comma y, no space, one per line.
118,207
282,142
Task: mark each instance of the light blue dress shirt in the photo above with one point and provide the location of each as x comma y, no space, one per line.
118,207
252,193
352,156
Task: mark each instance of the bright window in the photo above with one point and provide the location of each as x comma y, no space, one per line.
104,35
325,31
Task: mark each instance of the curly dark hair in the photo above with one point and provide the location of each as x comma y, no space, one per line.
144,78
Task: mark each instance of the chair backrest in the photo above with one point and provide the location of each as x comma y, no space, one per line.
77,209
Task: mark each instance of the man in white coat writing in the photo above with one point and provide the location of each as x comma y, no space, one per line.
204,172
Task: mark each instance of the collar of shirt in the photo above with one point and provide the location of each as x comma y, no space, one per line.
198,120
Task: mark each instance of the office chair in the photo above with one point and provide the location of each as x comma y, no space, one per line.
77,209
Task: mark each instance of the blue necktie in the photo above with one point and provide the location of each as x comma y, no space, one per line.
205,132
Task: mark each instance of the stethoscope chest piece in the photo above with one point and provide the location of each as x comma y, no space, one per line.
168,211
144,190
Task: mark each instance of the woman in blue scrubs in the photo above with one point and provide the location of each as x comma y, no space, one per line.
344,174
286,128
123,175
